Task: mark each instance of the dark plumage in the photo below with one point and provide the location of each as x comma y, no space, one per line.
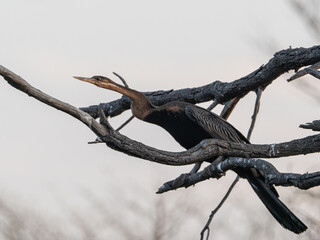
189,125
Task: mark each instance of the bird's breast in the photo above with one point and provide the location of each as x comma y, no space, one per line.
186,132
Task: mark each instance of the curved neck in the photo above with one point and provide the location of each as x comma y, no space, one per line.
141,105
130,93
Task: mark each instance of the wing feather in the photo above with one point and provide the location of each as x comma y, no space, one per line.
216,126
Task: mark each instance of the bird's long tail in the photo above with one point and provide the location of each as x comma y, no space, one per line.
278,210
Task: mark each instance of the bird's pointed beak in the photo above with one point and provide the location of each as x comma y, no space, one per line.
86,79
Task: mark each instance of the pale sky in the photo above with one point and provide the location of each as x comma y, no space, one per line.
44,154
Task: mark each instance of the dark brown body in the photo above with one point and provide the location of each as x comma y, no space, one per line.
176,120
173,119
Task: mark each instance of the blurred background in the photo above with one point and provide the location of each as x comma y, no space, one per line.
53,185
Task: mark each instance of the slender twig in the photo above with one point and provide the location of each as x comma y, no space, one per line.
228,108
125,123
313,72
314,125
304,72
98,140
213,105
255,112
225,113
127,86
122,79
207,226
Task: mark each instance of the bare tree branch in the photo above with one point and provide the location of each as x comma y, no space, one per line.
205,150
220,92
19,83
255,112
207,226
272,176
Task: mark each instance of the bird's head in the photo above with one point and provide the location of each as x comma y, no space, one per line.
99,81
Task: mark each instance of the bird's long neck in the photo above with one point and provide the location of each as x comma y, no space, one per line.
141,105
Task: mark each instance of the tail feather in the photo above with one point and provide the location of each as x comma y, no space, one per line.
278,210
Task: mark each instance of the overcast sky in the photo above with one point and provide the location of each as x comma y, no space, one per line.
154,45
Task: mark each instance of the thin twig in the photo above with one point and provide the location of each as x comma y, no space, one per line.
125,123
98,140
122,80
228,107
255,112
207,226
127,86
304,72
313,72
213,105
225,114
314,125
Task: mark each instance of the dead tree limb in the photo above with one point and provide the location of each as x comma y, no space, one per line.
22,85
221,92
205,150
272,176
206,228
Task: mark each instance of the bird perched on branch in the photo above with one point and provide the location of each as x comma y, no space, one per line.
189,125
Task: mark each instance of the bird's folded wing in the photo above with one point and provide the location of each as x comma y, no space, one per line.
216,126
